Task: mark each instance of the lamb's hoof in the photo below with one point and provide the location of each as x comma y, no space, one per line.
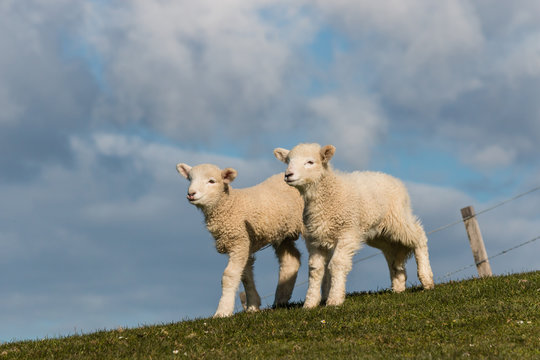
310,305
221,315
252,308
334,302
430,286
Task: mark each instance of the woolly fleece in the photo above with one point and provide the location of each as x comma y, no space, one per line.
343,211
242,221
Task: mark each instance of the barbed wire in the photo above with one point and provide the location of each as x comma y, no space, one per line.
506,201
444,227
515,197
488,258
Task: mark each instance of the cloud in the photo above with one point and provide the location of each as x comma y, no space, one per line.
220,70
44,93
354,124
11,110
462,71
414,48
492,157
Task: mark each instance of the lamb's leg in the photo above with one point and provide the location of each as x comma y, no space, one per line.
425,275
326,279
253,301
396,256
289,263
230,281
317,263
339,267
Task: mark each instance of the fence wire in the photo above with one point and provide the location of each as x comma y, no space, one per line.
488,258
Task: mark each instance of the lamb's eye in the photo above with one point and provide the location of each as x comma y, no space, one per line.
211,181
309,162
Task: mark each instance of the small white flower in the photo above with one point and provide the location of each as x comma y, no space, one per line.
175,352
323,321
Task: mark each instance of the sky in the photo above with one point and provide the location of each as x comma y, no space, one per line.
101,99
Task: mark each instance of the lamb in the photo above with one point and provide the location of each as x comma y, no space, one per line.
342,211
243,221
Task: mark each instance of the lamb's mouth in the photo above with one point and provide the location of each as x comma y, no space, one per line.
292,182
192,199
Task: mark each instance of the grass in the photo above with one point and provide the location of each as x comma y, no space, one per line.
495,318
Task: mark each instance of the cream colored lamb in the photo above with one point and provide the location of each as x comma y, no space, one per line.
242,221
342,211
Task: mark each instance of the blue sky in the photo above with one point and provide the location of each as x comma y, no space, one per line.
101,99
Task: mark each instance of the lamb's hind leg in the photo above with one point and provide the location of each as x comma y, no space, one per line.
425,275
253,301
396,256
289,263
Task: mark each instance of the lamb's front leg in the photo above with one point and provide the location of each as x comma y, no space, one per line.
317,263
339,267
230,281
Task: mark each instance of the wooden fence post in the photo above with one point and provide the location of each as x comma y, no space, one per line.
476,241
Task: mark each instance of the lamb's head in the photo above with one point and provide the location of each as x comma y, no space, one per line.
306,163
208,183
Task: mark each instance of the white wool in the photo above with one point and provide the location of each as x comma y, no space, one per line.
242,221
343,211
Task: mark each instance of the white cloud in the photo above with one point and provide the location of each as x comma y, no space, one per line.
353,124
523,62
492,156
417,48
195,69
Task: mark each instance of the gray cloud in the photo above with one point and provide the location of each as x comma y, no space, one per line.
44,94
466,70
355,123
221,70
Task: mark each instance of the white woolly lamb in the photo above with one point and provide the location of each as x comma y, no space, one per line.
342,211
242,221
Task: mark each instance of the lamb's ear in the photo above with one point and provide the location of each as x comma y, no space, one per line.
327,152
228,175
183,169
281,154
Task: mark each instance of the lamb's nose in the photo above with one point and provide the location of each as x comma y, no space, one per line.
288,175
191,195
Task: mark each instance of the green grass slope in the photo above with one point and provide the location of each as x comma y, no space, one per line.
494,318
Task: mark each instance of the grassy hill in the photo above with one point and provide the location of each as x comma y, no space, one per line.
491,318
